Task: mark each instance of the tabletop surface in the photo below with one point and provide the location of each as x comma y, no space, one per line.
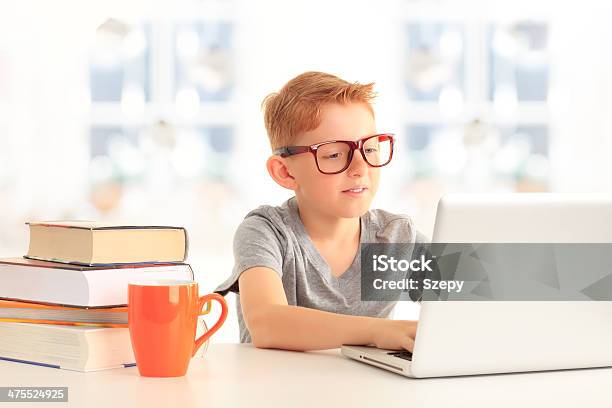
242,375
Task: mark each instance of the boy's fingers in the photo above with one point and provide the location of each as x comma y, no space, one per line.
409,345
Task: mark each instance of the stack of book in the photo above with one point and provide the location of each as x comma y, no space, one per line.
64,304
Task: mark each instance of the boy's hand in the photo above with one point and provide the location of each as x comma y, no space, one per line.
394,334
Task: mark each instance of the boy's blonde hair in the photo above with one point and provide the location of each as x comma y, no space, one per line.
296,107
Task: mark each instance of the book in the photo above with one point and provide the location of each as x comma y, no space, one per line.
79,348
96,243
29,312
74,285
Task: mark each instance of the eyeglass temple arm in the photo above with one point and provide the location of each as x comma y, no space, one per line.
291,150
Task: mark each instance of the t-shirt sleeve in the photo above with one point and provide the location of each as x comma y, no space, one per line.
256,243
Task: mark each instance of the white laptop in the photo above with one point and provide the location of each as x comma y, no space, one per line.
486,337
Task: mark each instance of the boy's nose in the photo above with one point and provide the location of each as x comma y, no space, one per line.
358,165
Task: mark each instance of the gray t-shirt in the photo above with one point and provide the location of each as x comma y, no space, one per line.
274,237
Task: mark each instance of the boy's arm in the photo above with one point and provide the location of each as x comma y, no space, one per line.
275,324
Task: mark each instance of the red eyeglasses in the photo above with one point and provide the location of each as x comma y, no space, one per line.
335,156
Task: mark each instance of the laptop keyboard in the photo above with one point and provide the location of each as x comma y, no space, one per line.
406,355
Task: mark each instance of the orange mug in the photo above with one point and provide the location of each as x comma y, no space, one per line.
162,318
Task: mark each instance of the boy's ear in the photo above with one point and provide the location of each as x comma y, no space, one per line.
278,170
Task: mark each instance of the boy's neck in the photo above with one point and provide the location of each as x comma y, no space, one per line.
324,228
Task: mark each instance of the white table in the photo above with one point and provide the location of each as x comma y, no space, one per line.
241,375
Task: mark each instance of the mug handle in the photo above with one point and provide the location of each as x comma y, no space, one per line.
217,326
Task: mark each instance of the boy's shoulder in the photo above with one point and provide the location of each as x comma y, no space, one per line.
388,227
383,218
269,217
278,213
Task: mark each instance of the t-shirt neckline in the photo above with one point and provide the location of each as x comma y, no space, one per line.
313,252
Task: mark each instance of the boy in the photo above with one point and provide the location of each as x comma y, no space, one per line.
297,266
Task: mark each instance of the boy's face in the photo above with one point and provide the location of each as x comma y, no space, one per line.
329,193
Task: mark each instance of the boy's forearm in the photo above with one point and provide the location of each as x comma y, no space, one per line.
299,328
